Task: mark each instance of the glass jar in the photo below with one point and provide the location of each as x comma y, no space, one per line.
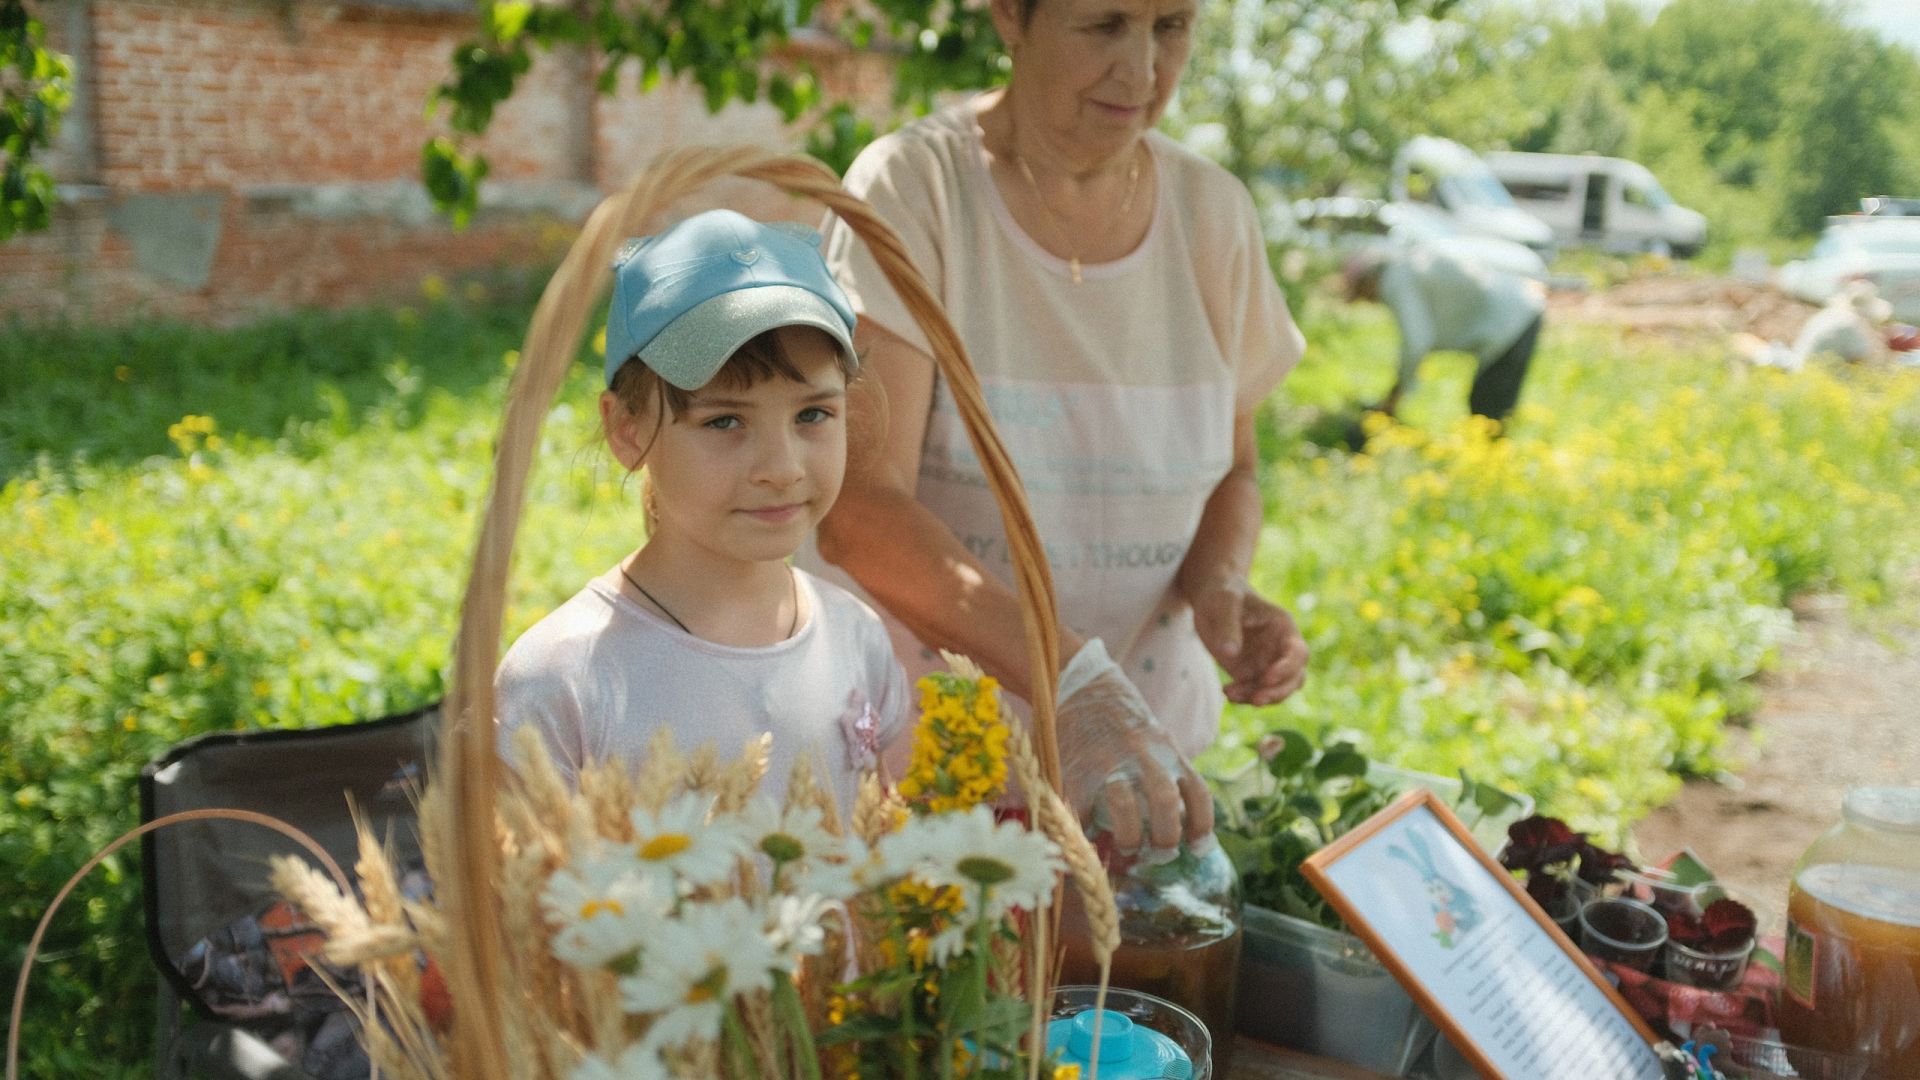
1180,936
1139,1036
1852,978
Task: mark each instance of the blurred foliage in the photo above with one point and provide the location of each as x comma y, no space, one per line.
735,51
1304,96
35,91
1572,612
289,554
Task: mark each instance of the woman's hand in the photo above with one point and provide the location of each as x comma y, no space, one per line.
1119,768
1255,640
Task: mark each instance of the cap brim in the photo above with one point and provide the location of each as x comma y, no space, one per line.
692,348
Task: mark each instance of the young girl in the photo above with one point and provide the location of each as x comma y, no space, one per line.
729,347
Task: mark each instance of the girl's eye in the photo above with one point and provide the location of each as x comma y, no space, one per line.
722,423
1174,26
814,415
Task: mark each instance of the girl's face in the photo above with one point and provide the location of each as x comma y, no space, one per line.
745,473
1103,70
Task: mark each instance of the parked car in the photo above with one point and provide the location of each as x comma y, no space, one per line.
1890,206
1884,251
1452,181
1345,224
1605,202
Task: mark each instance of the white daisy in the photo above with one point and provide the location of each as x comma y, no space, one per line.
602,906
807,857
707,955
795,927
952,941
836,879
866,868
1017,867
637,1062
918,842
680,841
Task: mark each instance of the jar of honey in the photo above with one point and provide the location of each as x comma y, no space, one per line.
1852,977
1180,937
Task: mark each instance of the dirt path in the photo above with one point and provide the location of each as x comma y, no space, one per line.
1843,709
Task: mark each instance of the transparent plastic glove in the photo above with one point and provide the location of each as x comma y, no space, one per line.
1119,763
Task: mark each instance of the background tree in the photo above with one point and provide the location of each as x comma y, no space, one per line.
34,93
1596,120
1835,142
727,49
1766,115
1306,96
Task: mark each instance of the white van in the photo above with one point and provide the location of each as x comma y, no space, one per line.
1451,180
1603,202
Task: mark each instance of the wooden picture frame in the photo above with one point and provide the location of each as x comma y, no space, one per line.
1413,872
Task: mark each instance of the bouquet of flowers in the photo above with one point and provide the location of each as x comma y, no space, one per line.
666,920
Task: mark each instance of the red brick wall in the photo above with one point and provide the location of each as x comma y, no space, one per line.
269,259
213,93
251,99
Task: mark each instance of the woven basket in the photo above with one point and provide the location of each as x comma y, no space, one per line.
469,762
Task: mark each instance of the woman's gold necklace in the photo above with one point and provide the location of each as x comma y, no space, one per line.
1073,256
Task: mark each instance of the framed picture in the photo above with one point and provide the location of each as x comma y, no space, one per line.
1514,995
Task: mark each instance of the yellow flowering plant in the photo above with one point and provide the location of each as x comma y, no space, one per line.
960,748
942,992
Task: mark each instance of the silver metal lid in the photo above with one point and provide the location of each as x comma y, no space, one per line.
1884,807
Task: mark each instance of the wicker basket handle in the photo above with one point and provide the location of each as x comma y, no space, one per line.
468,760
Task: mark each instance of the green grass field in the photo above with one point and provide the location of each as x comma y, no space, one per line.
268,526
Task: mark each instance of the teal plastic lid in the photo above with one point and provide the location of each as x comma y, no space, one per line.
1126,1050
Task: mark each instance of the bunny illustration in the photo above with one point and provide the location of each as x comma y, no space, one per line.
1454,912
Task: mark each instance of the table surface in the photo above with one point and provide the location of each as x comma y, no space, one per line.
1253,1060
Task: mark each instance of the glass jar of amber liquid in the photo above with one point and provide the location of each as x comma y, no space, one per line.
1180,938
1852,979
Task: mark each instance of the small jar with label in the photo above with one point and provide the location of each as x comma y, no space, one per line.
1852,964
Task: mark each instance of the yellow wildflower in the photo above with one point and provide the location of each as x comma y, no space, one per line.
959,756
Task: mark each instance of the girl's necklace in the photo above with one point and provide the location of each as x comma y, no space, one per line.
1073,256
793,584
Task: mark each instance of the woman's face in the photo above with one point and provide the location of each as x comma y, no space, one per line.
1100,71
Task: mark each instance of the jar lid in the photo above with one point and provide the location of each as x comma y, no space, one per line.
1884,807
1124,1050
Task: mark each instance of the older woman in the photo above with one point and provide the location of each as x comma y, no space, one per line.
1113,291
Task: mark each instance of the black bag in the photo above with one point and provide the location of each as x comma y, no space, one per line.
222,940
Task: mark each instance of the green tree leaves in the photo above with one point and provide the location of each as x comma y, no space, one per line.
1765,114
733,51
34,93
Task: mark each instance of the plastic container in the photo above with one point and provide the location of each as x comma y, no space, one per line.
1721,971
1751,1058
1320,991
1623,931
1180,937
1852,978
1160,1032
